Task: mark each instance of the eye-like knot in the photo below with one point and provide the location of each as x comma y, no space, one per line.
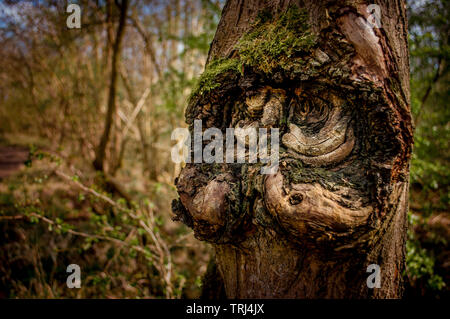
319,134
295,199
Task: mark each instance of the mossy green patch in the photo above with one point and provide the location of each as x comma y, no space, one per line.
272,42
276,42
208,80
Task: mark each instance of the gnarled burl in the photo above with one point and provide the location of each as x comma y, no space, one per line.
336,87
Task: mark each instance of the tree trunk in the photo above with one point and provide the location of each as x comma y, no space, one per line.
337,88
100,154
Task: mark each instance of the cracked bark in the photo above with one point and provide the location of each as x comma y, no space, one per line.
339,199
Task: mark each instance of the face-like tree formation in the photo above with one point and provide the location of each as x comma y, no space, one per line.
338,199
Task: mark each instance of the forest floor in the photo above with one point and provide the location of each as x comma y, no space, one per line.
34,254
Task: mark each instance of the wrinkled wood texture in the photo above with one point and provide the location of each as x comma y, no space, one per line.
339,200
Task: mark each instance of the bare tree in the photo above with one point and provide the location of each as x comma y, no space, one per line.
111,111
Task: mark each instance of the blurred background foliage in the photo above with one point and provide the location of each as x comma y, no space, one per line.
115,222
428,254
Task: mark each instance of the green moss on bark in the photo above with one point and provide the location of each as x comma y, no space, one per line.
209,78
276,42
272,43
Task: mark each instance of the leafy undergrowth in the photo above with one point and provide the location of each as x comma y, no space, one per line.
427,248
52,215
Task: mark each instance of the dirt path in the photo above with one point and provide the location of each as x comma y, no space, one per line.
12,158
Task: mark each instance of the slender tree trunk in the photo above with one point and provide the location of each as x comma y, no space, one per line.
335,82
100,155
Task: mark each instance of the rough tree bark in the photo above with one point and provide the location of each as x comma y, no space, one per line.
338,90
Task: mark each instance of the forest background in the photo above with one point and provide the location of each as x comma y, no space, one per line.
62,201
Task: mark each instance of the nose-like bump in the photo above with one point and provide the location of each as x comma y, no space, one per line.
206,202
